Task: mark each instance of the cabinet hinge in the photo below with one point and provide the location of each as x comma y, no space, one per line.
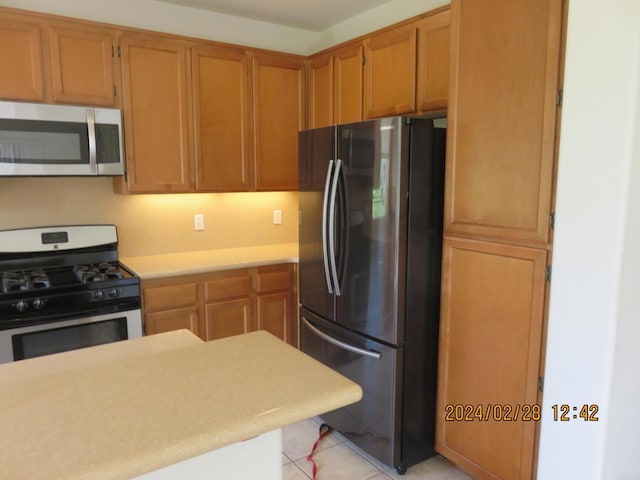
552,220
364,59
547,273
540,383
559,97
114,91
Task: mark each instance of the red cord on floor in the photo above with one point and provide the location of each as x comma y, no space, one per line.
323,431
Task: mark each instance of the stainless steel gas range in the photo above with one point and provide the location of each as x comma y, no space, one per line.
63,289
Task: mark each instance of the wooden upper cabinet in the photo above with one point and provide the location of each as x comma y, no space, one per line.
434,35
502,118
490,342
347,67
279,87
335,86
222,119
21,62
156,113
321,91
82,65
390,72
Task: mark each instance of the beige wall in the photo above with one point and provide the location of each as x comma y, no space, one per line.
150,224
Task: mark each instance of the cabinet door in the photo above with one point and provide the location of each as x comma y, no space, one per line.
225,319
273,314
21,61
156,111
348,66
489,354
321,91
434,36
169,320
278,115
82,65
276,312
501,117
390,73
221,105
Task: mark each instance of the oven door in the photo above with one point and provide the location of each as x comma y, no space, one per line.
64,335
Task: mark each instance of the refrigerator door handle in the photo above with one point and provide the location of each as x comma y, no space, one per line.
325,253
343,345
332,226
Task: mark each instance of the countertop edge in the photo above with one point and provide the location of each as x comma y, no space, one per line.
204,261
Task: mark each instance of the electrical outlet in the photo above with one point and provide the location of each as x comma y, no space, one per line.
277,217
198,222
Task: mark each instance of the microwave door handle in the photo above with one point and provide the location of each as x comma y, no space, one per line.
325,252
91,129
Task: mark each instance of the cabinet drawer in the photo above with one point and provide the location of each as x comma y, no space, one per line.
277,277
171,296
236,283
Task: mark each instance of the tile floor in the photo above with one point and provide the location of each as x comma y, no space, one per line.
338,459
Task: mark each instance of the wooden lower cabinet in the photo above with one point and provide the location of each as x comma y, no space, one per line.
273,314
489,356
225,319
224,303
158,322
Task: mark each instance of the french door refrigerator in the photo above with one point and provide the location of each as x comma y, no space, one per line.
370,232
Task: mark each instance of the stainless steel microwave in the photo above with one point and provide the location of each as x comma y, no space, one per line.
39,139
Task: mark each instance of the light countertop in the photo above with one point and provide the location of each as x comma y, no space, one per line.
127,408
166,265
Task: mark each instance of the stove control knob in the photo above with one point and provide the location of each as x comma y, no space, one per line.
113,293
98,294
38,304
22,306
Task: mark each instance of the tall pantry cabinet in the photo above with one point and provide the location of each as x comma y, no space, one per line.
498,205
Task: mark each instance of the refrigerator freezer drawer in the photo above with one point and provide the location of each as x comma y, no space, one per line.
373,423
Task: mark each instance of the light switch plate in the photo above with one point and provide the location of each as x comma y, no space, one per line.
277,217
198,222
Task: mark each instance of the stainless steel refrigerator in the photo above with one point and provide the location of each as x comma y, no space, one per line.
370,229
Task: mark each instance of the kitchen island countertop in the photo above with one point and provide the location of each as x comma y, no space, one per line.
185,263
123,409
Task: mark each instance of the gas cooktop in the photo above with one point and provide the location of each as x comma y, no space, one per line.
51,272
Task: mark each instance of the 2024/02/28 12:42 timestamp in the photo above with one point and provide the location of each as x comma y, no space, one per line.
565,413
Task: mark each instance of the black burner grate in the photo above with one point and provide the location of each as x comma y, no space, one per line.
24,281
